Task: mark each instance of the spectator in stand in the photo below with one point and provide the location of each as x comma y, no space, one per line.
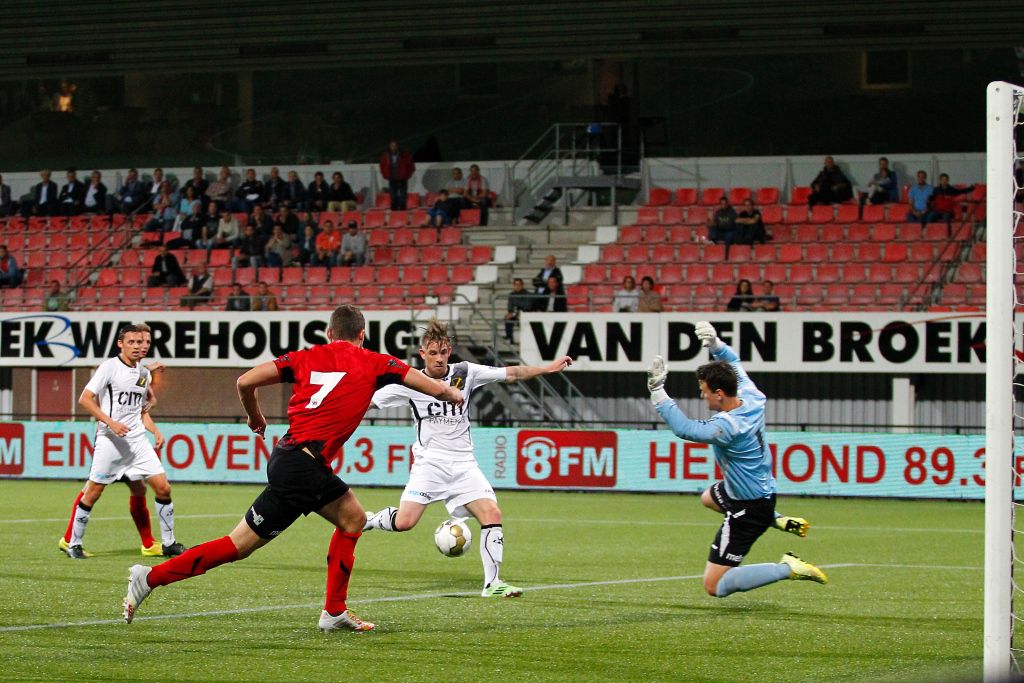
768,301
743,299
200,287
259,219
192,230
10,274
294,193
250,193
457,192
627,299
552,298
328,243
228,231
250,249
919,200
650,298
307,245
238,300
132,194
188,205
722,226
289,220
220,189
95,200
478,193
199,183
397,166
165,211
340,196
518,301
273,190
7,205
883,188
279,248
166,270
263,300
55,300
318,193
830,186
44,197
443,211
207,236
153,188
945,204
749,225
353,246
72,195
550,269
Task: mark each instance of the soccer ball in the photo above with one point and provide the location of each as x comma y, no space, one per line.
453,538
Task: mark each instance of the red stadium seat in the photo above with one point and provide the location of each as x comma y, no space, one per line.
630,233
833,233
432,254
873,213
678,234
790,253
402,237
655,234
800,273
822,214
659,196
816,253
437,274
741,253
685,196
738,194
807,233
418,217
884,232
382,201
397,219
413,201
870,252
847,213
672,215
450,235
709,196
858,233
697,216
921,252
879,272
796,214
386,275
457,253
713,253
907,272
613,253
842,252
723,273
895,252
970,273
766,196
636,253
648,215
469,217
362,275
800,195
695,273
890,294
375,218
425,236
480,254
670,274
863,295
407,255
463,274
853,273
771,215
412,275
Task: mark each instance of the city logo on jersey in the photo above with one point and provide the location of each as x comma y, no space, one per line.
567,459
12,449
141,382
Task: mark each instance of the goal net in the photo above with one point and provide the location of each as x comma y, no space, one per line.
1004,628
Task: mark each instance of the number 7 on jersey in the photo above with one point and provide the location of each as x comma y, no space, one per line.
327,381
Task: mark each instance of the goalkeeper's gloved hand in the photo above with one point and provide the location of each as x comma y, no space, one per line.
656,376
707,335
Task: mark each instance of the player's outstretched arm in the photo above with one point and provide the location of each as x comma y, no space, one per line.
415,379
520,373
88,401
702,431
262,375
721,351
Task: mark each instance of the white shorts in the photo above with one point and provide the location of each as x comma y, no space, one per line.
114,457
456,483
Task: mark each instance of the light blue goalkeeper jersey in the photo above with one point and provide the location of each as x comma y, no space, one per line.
736,436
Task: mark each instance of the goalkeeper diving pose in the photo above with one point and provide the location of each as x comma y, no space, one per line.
747,494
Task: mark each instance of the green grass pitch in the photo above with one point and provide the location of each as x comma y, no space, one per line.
612,593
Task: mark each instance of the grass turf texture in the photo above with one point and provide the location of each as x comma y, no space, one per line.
920,622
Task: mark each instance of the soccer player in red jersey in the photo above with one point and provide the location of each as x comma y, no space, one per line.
333,386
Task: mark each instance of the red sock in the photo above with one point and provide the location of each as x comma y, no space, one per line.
71,522
194,561
140,515
340,558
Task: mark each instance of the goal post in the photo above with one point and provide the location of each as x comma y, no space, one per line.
1002,114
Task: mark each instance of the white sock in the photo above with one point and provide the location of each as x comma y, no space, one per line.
78,528
492,547
165,513
383,520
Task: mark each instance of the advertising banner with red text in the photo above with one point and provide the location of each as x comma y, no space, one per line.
826,464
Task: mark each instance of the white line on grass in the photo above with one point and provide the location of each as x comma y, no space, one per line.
430,596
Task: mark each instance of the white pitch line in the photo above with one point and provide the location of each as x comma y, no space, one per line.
431,596
111,519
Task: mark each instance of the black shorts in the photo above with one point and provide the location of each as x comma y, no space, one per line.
745,521
297,483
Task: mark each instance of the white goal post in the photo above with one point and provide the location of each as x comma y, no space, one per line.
1002,116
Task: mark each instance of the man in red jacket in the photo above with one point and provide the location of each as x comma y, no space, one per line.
397,166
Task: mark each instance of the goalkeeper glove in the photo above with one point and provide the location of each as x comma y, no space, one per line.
656,376
707,335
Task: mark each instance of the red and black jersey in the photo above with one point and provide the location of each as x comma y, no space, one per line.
334,384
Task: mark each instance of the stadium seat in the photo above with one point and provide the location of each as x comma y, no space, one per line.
292,275
846,213
738,194
906,272
822,213
450,235
407,255
425,236
594,273
771,214
378,238
413,201
835,295
480,254
895,252
741,253
697,216
879,273
245,276
979,252
800,273
436,274
870,252
655,234
936,232
853,273
659,196
375,218
883,232
873,213
648,215
800,195
709,196
458,253
766,196
816,252
806,233
107,278
636,253
469,217
695,273
713,253
663,253
412,275
723,273
431,254
685,196
463,274
766,253
397,219
382,255
858,233
833,233
790,253
776,272
679,234
630,233
403,237
796,214
954,293
842,252
863,295
672,215
910,232
921,252
361,275
890,294
418,217
386,275
970,273
219,257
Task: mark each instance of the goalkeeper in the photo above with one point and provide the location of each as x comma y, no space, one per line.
747,495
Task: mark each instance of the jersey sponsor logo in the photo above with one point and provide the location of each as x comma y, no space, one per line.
130,399
141,382
567,458
733,558
12,449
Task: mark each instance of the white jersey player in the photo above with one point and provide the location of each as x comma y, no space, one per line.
444,467
116,396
